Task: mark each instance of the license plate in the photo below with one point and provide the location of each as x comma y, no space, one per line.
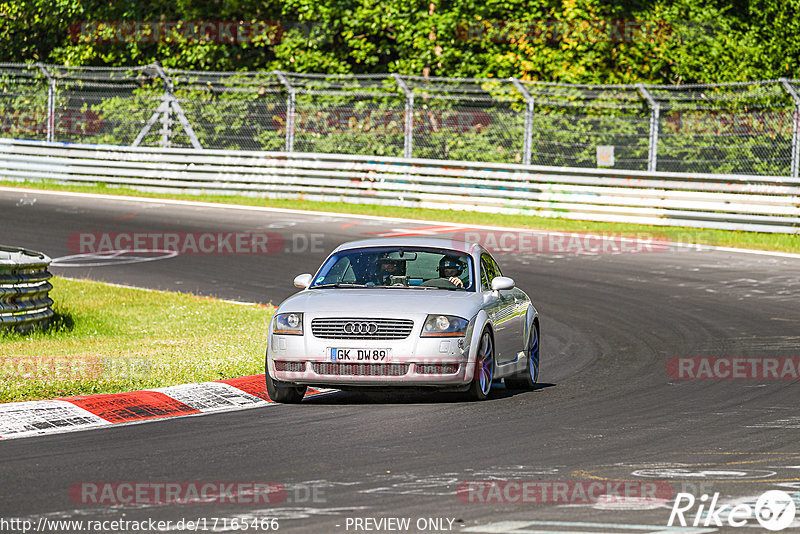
336,354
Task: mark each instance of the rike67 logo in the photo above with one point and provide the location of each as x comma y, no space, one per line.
774,510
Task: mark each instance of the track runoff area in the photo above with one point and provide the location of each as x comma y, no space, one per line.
667,400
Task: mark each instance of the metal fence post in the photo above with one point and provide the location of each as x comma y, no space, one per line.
290,104
165,107
408,118
174,106
655,113
408,127
527,142
166,123
166,116
51,103
795,126
51,110
169,104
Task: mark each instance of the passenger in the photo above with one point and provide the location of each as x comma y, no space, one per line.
387,268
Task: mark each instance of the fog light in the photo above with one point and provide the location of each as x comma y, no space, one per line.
290,367
437,368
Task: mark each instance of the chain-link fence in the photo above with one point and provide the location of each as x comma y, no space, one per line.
743,128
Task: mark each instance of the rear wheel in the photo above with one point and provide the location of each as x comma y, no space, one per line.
484,368
285,393
527,379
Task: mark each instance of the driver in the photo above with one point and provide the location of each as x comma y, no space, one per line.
451,269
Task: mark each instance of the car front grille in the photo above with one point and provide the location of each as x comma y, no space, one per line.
361,369
359,328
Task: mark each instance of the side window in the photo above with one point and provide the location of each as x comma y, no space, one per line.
496,268
487,271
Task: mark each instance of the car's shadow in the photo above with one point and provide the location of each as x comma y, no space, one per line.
413,396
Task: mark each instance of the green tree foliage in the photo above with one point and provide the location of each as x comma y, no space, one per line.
583,41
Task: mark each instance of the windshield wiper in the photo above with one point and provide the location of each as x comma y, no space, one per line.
338,285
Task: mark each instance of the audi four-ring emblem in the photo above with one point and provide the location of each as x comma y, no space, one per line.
360,328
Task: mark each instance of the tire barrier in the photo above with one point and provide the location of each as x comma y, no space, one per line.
24,289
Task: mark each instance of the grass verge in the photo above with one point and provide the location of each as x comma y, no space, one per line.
109,339
725,238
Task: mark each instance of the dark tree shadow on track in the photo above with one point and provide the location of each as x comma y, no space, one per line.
413,396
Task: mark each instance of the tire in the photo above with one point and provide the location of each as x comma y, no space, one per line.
528,378
284,393
484,368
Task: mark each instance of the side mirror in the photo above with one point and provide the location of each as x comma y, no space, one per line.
302,280
502,282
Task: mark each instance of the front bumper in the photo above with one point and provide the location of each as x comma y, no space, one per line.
413,361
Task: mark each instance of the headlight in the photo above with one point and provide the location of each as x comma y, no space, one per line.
444,326
289,323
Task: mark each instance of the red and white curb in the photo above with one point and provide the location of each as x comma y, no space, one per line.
35,418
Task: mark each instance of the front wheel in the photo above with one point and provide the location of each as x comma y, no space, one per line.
484,368
527,378
285,393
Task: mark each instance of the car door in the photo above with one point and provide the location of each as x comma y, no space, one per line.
503,312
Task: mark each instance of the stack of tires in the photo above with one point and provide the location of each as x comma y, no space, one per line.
24,287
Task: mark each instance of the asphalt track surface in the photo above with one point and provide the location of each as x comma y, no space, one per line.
605,409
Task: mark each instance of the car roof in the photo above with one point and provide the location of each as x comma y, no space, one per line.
423,242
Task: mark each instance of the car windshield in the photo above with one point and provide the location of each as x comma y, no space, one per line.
397,268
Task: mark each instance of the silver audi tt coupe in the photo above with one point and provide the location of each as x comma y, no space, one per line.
395,312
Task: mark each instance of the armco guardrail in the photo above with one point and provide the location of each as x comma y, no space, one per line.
734,202
24,288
